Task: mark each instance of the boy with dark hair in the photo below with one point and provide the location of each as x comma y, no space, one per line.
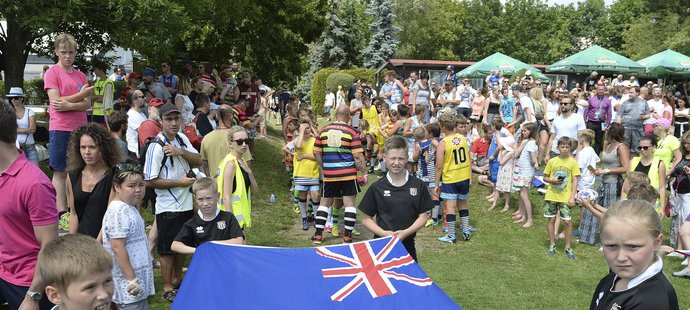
561,173
399,201
118,126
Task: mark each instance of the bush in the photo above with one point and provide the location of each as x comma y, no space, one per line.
35,95
339,79
318,88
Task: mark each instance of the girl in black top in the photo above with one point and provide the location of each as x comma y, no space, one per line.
631,237
91,155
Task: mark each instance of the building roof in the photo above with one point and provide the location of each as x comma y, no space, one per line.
400,62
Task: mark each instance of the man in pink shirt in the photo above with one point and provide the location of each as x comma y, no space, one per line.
28,220
69,95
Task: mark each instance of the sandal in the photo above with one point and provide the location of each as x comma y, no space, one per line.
170,295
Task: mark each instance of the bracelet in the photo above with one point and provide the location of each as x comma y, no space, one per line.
606,171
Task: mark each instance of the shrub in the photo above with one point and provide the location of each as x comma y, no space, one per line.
320,85
318,88
339,79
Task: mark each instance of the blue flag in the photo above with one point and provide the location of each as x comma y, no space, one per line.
375,274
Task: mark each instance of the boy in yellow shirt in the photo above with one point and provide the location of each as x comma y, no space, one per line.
561,173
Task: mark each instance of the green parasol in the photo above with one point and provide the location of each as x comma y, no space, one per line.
495,62
667,64
595,58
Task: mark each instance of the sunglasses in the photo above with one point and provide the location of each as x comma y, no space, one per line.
566,103
643,147
241,141
128,167
138,97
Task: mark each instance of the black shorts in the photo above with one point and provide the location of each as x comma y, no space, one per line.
169,224
339,189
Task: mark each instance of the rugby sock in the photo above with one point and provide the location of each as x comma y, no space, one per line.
295,198
450,220
435,210
303,208
349,219
310,210
465,220
321,215
335,214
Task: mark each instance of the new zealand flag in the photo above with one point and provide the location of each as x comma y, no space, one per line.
375,274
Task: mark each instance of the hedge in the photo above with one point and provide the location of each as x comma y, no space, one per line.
319,87
339,79
35,95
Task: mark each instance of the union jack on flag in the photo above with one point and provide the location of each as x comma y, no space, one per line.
374,274
371,269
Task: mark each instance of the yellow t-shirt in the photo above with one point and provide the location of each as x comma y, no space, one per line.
559,167
306,168
371,116
665,149
456,159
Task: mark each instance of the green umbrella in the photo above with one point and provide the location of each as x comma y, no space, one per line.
595,58
495,62
667,63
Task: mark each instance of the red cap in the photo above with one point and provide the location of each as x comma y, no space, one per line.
156,102
134,75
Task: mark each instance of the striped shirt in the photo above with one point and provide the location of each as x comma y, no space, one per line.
337,143
426,164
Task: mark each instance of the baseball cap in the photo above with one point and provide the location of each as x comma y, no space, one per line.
149,72
167,109
134,75
156,102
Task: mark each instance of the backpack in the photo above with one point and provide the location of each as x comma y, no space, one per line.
538,109
192,133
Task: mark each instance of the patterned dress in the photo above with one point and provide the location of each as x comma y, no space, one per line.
504,181
608,195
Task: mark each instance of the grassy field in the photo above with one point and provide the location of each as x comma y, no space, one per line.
504,266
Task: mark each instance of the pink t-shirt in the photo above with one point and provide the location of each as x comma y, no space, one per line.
28,200
68,84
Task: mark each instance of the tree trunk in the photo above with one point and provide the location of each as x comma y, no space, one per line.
16,51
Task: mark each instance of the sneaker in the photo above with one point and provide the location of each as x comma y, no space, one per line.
576,233
317,239
429,222
328,229
335,232
296,209
311,219
551,250
434,223
685,273
466,235
355,232
570,254
685,262
444,229
472,229
370,170
305,224
347,239
447,238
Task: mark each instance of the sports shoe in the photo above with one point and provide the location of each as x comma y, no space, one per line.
305,224
472,229
317,239
347,239
311,219
551,250
447,238
434,223
328,229
683,273
335,232
355,232
466,235
685,262
576,233
429,222
570,254
296,209
370,170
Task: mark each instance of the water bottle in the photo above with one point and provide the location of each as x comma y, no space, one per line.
273,198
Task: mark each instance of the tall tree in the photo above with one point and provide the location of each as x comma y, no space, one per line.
384,40
431,28
480,33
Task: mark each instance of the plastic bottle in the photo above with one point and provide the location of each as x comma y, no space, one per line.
273,198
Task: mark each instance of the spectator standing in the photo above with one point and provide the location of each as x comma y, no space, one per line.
104,93
168,79
28,220
214,146
598,116
26,124
135,117
156,89
69,96
567,124
631,115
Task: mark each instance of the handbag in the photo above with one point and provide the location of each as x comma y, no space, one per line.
192,133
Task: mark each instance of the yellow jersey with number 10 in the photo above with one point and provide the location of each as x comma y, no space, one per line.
456,159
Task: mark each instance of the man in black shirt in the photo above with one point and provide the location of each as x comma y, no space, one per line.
399,201
209,223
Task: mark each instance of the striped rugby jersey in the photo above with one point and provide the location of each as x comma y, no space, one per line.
337,143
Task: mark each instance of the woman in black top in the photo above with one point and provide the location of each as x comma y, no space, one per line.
91,155
631,237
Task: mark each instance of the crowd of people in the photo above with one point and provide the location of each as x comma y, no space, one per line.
182,145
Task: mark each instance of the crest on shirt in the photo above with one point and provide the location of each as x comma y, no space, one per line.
220,225
413,191
386,193
199,229
616,307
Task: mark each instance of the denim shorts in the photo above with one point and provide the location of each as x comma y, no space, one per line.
58,141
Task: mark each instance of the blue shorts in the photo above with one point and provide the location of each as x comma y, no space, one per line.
305,188
493,172
58,141
456,191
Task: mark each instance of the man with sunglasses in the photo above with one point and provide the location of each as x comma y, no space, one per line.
166,170
168,79
465,93
631,115
566,124
135,117
150,84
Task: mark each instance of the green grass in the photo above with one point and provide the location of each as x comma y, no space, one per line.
504,266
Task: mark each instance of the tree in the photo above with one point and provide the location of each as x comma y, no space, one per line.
480,36
384,41
431,28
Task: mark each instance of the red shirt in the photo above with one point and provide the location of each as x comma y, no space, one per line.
148,129
251,94
480,147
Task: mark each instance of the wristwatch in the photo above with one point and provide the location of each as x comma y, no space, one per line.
35,296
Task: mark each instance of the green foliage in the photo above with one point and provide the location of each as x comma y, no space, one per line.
34,92
431,27
383,42
318,88
369,74
339,79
